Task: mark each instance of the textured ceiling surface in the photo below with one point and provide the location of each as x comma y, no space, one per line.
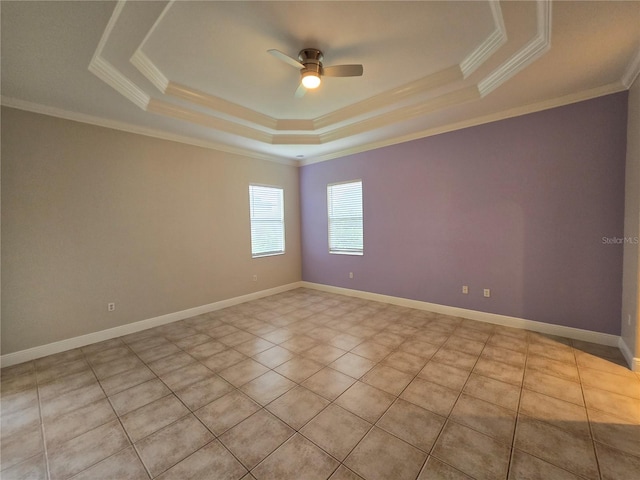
199,72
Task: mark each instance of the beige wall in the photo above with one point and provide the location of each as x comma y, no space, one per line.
631,262
92,215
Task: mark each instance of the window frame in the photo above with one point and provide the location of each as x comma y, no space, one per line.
251,221
329,203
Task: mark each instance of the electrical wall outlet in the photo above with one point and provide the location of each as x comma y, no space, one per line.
255,278
487,292
350,274
465,289
111,307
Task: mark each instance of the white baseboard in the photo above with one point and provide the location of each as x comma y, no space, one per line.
548,328
633,362
83,340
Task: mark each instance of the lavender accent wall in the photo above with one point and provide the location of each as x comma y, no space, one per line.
519,206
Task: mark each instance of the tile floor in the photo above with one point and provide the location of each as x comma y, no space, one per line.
310,385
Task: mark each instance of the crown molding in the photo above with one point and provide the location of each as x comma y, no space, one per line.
491,45
537,47
143,63
175,111
296,139
366,116
221,105
294,125
106,72
147,132
115,79
147,68
157,22
632,71
456,97
111,24
385,99
494,117
238,120
405,113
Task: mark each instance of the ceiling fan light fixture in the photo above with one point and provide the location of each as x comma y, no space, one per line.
311,69
310,80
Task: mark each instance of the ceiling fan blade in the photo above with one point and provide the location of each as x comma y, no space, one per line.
343,71
300,91
285,58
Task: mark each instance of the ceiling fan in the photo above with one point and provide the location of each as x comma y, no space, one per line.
311,69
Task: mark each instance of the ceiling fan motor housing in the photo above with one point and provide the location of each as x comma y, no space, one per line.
309,64
310,54
311,58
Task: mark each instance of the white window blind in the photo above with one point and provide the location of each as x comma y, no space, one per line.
267,220
344,201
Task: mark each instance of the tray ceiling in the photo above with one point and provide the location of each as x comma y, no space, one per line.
199,72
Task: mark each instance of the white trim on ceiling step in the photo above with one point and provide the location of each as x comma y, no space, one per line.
83,340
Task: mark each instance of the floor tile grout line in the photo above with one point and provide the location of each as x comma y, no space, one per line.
42,428
395,349
297,432
131,444
119,418
545,423
318,413
42,422
216,438
447,419
594,387
374,424
270,453
515,424
584,399
191,412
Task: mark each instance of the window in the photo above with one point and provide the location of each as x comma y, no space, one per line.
267,220
344,201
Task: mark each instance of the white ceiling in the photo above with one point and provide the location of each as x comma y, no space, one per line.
199,72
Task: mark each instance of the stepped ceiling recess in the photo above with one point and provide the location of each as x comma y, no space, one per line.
199,72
